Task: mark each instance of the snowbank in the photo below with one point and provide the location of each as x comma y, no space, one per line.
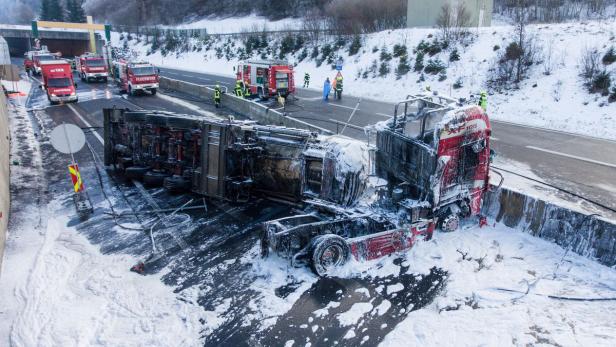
558,101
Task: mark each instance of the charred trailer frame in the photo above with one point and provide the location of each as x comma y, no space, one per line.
227,159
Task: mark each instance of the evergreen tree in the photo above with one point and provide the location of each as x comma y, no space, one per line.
45,10
74,11
51,10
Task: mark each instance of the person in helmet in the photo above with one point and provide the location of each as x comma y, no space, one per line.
338,87
483,101
217,96
306,80
239,89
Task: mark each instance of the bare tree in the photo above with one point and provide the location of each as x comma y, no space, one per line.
453,21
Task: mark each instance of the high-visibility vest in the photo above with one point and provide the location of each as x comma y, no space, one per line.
217,93
483,102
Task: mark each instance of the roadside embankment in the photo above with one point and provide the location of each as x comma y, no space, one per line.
4,172
586,234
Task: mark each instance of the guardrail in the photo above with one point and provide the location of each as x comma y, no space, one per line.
585,234
250,109
203,33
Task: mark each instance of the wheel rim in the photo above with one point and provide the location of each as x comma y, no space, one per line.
331,257
451,223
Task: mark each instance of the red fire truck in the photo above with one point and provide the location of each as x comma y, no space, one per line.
58,81
136,76
91,67
33,59
266,78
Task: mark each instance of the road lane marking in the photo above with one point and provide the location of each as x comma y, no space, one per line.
349,107
72,108
310,99
572,156
187,105
384,115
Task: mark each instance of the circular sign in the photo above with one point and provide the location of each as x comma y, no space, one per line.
67,138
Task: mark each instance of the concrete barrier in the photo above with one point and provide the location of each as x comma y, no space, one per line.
4,172
255,111
585,234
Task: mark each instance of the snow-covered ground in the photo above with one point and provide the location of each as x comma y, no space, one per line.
57,289
497,294
240,24
558,101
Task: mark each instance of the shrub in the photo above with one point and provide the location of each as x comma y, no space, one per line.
399,50
375,49
419,65
434,67
601,83
315,52
442,76
612,97
403,67
384,69
435,48
609,57
385,55
496,48
454,55
302,55
458,84
355,45
373,68
327,53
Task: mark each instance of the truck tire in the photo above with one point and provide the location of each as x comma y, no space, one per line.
154,178
154,91
327,252
135,172
450,222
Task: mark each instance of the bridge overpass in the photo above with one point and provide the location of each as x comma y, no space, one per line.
71,42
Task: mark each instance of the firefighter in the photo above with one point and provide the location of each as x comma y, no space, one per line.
338,87
326,89
483,101
217,96
306,80
247,90
239,89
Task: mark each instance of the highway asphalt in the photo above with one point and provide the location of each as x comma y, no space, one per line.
581,164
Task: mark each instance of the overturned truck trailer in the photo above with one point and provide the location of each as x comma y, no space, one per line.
232,160
431,161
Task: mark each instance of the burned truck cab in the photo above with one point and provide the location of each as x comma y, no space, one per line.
435,156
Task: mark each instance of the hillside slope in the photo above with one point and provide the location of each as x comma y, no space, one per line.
558,100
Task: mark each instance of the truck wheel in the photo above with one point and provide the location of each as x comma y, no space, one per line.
328,251
154,178
450,222
153,91
135,172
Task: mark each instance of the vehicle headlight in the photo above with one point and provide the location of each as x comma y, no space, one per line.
52,94
73,94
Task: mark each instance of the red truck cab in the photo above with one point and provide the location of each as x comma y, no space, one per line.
267,78
134,77
91,67
58,81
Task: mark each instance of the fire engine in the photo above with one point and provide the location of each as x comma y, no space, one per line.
431,160
33,59
58,81
91,67
133,77
267,78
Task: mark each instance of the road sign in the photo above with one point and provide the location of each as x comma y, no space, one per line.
67,138
76,178
339,64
